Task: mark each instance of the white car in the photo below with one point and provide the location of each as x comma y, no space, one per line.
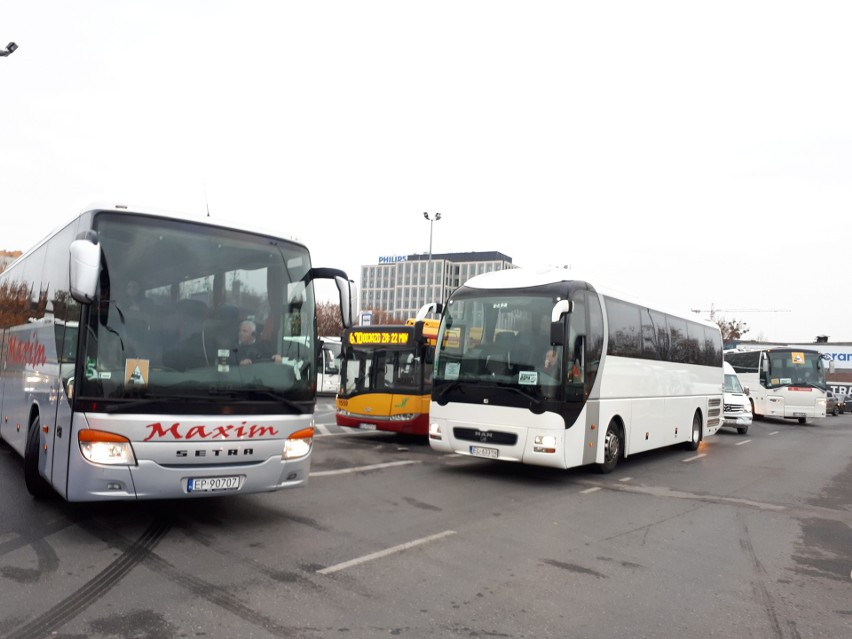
737,406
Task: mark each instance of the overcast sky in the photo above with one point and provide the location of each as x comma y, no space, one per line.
695,153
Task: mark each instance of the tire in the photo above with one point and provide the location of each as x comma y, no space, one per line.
802,420
695,436
613,448
834,412
753,414
36,484
742,430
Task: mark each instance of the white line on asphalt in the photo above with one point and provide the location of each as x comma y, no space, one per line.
625,479
322,429
698,456
385,553
361,469
590,490
774,432
745,442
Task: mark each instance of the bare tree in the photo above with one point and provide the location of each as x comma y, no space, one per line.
329,323
732,329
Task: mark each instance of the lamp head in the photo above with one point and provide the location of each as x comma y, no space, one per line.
437,216
426,215
11,47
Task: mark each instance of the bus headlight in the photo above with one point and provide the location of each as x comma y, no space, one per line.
100,447
298,444
544,444
435,431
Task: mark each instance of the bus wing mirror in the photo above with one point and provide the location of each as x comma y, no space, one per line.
432,307
346,289
557,328
348,300
85,269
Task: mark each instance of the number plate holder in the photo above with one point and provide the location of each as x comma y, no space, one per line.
214,484
484,451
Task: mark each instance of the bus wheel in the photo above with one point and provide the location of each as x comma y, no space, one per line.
36,484
742,430
695,439
802,420
613,448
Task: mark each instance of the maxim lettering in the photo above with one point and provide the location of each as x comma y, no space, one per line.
201,431
29,352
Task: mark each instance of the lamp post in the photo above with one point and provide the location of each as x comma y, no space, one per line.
432,220
10,48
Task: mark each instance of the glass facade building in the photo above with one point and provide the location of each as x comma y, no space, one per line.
400,284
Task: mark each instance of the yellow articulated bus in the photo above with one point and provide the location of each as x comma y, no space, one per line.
386,377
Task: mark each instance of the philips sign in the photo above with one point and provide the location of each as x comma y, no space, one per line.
393,259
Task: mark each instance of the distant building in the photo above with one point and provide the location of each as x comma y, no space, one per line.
398,283
7,257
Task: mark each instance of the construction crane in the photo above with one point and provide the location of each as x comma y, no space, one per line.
713,310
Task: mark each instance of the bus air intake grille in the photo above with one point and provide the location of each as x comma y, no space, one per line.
485,436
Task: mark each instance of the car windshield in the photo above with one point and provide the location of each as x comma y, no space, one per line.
195,311
732,384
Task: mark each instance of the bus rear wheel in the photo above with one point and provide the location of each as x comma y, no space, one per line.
613,448
36,484
695,436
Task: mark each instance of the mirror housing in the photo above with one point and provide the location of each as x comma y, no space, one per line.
85,268
433,307
346,289
557,330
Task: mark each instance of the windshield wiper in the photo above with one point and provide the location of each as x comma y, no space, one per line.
448,386
520,391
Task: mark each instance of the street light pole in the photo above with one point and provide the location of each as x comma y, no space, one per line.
432,220
10,48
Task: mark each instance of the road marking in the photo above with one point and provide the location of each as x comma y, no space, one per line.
322,429
361,469
625,479
745,442
774,432
590,490
690,459
385,553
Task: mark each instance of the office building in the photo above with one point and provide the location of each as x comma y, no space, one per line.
398,284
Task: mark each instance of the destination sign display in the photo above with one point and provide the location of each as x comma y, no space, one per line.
357,338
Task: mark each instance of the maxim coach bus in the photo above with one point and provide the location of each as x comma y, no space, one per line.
786,382
150,355
542,368
386,377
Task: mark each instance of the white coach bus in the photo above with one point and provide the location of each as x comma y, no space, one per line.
541,368
783,381
150,355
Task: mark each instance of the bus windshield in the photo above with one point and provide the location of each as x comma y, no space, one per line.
366,369
489,337
795,368
197,312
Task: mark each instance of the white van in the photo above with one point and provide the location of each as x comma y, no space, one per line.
737,404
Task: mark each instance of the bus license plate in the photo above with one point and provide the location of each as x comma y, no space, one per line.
799,415
367,426
482,451
209,484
